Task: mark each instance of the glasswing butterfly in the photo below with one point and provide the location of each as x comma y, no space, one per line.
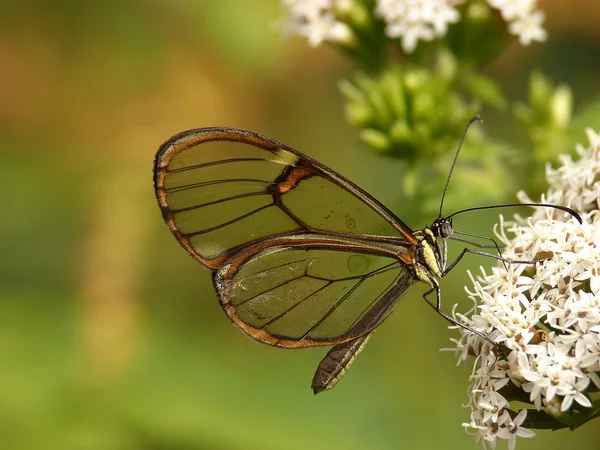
300,256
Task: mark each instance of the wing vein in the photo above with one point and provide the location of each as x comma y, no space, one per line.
237,219
294,306
375,300
221,200
219,162
334,307
256,274
185,187
268,290
354,277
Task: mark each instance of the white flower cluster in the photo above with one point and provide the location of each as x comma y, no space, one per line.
547,317
523,19
408,20
414,20
316,20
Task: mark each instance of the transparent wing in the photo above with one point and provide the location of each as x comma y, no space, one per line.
223,189
305,294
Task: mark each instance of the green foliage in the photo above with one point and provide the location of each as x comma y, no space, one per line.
419,115
480,36
368,46
414,113
545,119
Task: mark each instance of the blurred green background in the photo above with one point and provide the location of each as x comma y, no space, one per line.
111,337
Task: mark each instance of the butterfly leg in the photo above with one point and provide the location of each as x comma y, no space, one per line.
477,236
489,255
478,245
438,308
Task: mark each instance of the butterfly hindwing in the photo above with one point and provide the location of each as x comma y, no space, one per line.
306,291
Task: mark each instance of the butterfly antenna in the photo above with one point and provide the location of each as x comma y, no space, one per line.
474,119
512,205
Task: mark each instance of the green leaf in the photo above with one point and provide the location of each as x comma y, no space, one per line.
485,89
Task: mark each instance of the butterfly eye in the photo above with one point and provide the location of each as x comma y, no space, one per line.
445,229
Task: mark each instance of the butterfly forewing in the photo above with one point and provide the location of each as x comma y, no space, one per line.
220,189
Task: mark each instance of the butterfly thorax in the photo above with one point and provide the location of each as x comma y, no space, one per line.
430,258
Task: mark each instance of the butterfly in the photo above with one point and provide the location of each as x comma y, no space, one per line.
300,256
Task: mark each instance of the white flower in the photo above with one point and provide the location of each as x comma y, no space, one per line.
545,317
511,428
575,394
575,183
414,20
512,9
316,20
523,19
529,28
410,21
